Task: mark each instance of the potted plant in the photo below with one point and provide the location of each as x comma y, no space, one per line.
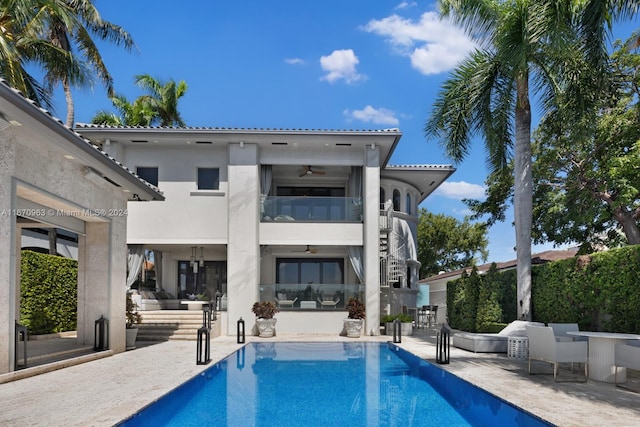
406,324
354,323
265,321
133,319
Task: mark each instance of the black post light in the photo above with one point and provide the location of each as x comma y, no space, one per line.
443,344
101,334
21,331
240,331
397,331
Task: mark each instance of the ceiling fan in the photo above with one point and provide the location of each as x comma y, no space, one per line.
309,250
309,171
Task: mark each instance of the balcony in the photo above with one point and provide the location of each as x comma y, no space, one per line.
305,297
311,209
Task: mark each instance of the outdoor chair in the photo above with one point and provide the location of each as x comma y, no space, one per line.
626,356
284,302
328,302
543,346
560,331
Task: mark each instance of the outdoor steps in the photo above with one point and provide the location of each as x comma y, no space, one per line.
165,325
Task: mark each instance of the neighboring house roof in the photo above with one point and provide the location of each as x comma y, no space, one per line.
540,258
15,110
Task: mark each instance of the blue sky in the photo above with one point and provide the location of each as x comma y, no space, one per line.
331,64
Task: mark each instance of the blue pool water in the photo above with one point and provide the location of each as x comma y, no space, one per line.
328,384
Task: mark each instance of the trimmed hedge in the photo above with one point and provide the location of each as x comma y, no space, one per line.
599,292
49,293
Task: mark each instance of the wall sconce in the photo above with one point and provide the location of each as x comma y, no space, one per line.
241,144
373,146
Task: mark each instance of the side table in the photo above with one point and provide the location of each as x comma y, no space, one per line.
517,347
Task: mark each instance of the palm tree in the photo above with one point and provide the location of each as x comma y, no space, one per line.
521,42
137,113
163,98
70,25
21,22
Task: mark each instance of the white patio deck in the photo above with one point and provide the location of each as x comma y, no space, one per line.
105,391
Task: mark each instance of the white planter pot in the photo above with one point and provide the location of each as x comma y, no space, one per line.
266,327
406,328
353,327
132,334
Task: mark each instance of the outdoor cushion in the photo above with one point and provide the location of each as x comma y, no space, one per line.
492,343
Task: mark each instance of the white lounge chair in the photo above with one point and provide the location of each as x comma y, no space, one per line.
328,302
543,346
491,343
284,302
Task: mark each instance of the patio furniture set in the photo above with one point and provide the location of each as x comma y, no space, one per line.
606,356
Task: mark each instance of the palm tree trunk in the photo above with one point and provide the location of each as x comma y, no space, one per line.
70,107
523,196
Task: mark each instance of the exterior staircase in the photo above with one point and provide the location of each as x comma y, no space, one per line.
165,325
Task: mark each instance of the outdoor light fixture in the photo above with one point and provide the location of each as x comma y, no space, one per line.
201,257
192,260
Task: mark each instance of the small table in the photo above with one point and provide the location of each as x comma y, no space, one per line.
517,347
308,304
194,304
602,346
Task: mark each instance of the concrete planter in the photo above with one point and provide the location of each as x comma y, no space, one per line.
353,327
132,334
266,327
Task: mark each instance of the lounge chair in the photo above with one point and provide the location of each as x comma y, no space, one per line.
543,346
284,302
328,302
491,343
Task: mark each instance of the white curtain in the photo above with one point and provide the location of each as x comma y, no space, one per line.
266,176
136,258
157,259
355,256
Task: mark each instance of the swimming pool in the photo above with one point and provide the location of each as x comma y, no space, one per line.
328,384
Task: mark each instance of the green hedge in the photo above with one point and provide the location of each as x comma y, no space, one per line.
49,293
599,292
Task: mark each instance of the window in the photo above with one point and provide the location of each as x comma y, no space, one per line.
409,203
149,174
310,271
208,178
396,200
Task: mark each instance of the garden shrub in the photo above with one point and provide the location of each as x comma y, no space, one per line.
49,293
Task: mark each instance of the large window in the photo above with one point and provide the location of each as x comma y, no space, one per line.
310,271
396,200
208,178
149,174
206,281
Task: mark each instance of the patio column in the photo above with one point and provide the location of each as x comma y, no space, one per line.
371,180
243,250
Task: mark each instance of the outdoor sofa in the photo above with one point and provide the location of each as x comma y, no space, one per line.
491,343
151,300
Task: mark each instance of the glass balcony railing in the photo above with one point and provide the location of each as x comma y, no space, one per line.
310,296
311,209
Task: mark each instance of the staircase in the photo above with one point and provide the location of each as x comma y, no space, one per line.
165,325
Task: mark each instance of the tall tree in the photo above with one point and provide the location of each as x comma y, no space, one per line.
587,166
446,244
70,25
21,23
137,113
162,99
489,94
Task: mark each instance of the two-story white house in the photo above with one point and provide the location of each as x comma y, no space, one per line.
303,218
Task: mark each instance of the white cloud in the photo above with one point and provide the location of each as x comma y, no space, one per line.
433,45
460,190
294,61
341,65
406,4
379,116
